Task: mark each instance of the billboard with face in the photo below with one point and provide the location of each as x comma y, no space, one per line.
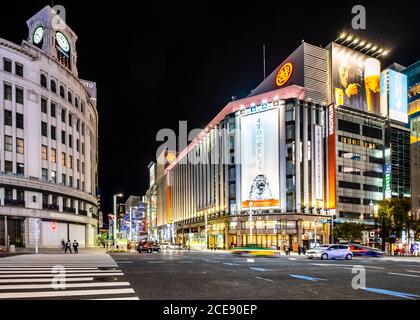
260,159
355,80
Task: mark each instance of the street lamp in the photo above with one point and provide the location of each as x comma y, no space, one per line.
116,217
250,222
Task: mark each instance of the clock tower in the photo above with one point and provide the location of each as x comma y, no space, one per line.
49,32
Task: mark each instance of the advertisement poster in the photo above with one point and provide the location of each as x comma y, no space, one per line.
260,159
398,96
355,80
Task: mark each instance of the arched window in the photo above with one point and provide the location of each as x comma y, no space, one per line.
53,86
62,93
43,80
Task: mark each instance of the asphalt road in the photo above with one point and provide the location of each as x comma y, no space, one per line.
184,275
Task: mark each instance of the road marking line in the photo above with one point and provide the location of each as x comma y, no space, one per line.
302,277
268,280
249,260
185,261
65,270
293,259
260,269
156,261
403,274
125,298
46,294
125,262
392,293
415,271
67,285
231,264
66,275
43,280
43,268
345,265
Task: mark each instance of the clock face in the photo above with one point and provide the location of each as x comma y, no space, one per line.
38,35
62,42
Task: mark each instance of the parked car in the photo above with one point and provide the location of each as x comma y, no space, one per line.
148,246
359,250
330,251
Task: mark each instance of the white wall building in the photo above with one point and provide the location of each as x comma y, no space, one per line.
48,139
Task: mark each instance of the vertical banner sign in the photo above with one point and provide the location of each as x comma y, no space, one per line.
331,158
318,163
260,159
387,173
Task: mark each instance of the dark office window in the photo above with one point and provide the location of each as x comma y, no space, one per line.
20,169
7,92
70,120
349,200
19,69
63,137
7,65
348,126
76,102
8,118
70,141
8,167
368,202
82,107
62,92
53,85
349,185
376,160
52,109
83,129
78,145
78,125
19,95
367,187
83,148
372,132
43,80
53,136
19,121
43,105
373,174
70,97
44,174
63,115
44,130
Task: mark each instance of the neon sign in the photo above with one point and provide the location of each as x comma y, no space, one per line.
284,74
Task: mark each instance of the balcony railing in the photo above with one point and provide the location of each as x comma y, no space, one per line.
69,210
52,207
14,203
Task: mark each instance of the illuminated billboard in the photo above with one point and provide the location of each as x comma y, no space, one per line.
398,96
260,159
355,80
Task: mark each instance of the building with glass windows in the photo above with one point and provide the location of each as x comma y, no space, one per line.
319,142
413,78
48,139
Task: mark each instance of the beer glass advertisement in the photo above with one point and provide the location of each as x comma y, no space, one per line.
260,159
355,80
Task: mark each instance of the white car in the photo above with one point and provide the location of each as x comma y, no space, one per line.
330,251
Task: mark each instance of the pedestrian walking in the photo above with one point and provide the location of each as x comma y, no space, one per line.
290,249
76,246
63,244
68,247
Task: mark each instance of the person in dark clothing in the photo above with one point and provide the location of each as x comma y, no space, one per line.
76,246
68,247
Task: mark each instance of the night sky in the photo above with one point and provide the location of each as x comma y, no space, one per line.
173,61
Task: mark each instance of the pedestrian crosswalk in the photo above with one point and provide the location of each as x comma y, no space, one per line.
75,277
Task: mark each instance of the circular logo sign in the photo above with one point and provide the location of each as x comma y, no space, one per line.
284,74
171,157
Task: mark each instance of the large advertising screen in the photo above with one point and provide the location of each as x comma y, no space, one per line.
260,159
398,96
355,80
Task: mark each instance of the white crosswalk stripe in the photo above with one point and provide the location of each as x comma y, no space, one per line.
75,277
